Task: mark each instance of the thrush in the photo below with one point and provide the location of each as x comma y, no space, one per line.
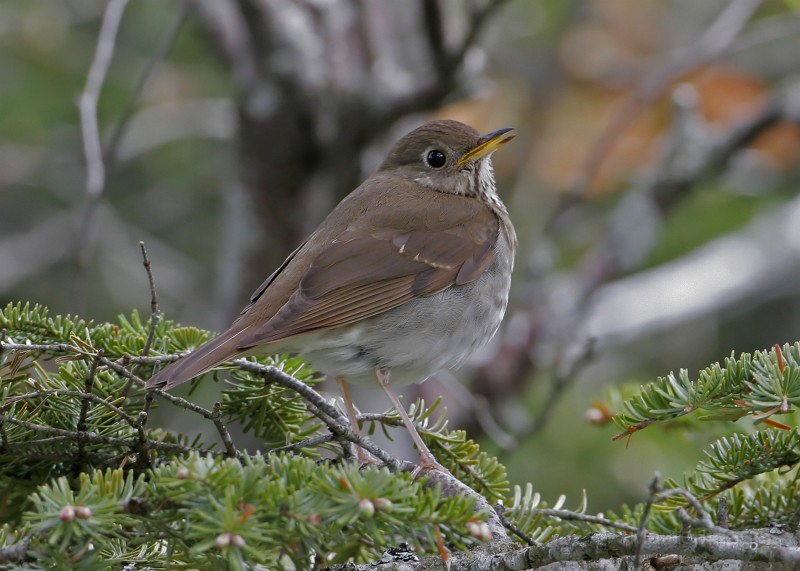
408,275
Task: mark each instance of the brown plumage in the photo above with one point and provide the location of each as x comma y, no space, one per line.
413,249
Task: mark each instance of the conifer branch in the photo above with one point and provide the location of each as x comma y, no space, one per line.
76,418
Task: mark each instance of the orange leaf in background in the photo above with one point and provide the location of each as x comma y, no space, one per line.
728,96
573,125
606,56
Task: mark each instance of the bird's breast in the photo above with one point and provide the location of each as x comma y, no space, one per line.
420,337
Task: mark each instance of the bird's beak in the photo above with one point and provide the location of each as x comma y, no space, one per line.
487,144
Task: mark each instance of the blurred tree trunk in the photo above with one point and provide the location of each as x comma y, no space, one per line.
317,83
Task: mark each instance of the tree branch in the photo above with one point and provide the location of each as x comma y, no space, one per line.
92,147
154,313
760,546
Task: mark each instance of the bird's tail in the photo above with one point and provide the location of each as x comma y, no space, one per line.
222,348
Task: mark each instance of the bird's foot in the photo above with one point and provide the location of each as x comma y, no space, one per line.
428,463
366,459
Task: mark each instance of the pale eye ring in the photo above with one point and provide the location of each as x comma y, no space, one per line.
436,159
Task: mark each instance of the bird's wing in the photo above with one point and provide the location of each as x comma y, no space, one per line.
372,267
357,264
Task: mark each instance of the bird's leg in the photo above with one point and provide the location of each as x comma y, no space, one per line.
426,458
364,457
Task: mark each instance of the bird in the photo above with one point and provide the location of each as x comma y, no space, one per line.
408,275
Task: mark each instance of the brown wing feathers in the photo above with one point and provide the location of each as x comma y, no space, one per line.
362,275
366,268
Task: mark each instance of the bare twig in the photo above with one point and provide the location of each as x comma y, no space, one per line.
56,348
85,402
161,52
311,442
87,389
485,418
641,532
149,398
90,131
326,412
510,526
154,360
88,437
92,147
181,402
275,375
77,394
154,313
227,441
142,443
568,515
702,520
316,403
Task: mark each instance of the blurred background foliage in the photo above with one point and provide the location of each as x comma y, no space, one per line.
231,129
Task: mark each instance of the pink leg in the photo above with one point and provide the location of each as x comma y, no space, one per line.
363,456
426,459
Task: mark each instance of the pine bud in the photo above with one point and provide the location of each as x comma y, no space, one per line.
183,473
479,530
223,540
314,519
83,512
67,514
382,503
366,508
598,414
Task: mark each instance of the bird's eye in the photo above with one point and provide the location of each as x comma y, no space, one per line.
436,159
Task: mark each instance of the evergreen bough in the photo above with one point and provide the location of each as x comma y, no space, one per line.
86,483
